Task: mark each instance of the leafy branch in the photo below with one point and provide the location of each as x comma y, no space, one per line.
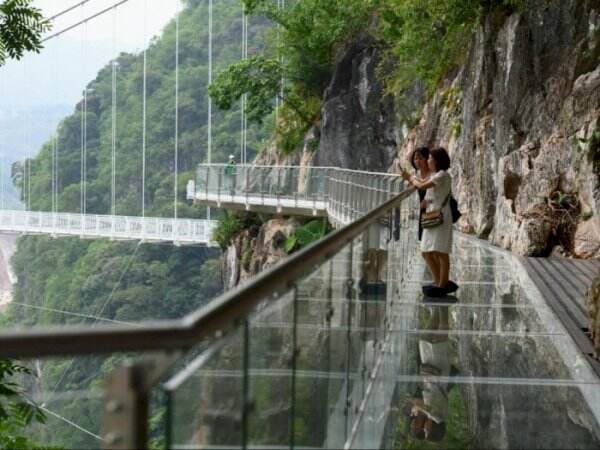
21,28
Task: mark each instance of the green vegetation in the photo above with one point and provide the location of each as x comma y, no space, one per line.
16,412
21,28
228,225
308,233
428,38
423,39
296,64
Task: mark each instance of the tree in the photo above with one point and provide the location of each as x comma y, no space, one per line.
15,411
21,28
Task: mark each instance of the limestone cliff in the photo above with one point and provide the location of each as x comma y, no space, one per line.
521,121
255,249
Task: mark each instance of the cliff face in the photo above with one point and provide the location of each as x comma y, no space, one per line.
256,249
521,122
358,128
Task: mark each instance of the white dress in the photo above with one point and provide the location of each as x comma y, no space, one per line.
438,239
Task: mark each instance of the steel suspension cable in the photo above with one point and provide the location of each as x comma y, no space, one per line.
176,161
67,10
84,130
55,140
29,160
74,314
113,181
144,110
210,69
24,144
243,99
2,162
87,19
278,44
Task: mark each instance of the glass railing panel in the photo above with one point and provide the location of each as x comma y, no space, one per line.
206,399
271,359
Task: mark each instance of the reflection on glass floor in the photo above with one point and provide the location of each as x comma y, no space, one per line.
343,363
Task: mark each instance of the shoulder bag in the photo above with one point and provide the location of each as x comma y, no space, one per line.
435,218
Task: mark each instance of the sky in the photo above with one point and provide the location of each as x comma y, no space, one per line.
67,63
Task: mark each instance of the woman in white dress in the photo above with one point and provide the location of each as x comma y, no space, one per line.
436,243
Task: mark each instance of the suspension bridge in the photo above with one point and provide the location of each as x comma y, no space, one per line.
334,346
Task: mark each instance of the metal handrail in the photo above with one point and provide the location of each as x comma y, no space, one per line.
213,320
338,169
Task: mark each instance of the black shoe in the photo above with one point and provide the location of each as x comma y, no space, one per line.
451,287
434,291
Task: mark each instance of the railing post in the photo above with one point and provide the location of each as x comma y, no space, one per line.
126,412
125,415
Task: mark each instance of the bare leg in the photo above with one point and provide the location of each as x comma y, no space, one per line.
444,268
433,265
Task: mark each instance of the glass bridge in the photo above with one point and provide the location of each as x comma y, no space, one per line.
336,347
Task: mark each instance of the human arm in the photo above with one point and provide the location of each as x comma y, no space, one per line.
416,181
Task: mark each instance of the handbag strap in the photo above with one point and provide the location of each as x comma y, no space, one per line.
446,199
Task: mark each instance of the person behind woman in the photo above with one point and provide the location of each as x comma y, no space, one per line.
436,242
418,160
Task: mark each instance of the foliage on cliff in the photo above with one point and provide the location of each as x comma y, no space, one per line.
425,39
296,64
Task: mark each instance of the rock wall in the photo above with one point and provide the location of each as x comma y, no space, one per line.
358,126
255,249
521,122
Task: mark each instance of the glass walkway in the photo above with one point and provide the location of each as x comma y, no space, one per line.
336,347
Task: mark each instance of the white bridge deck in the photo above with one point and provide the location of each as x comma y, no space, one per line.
151,229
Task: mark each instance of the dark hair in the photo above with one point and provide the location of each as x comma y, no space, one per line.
422,151
441,158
